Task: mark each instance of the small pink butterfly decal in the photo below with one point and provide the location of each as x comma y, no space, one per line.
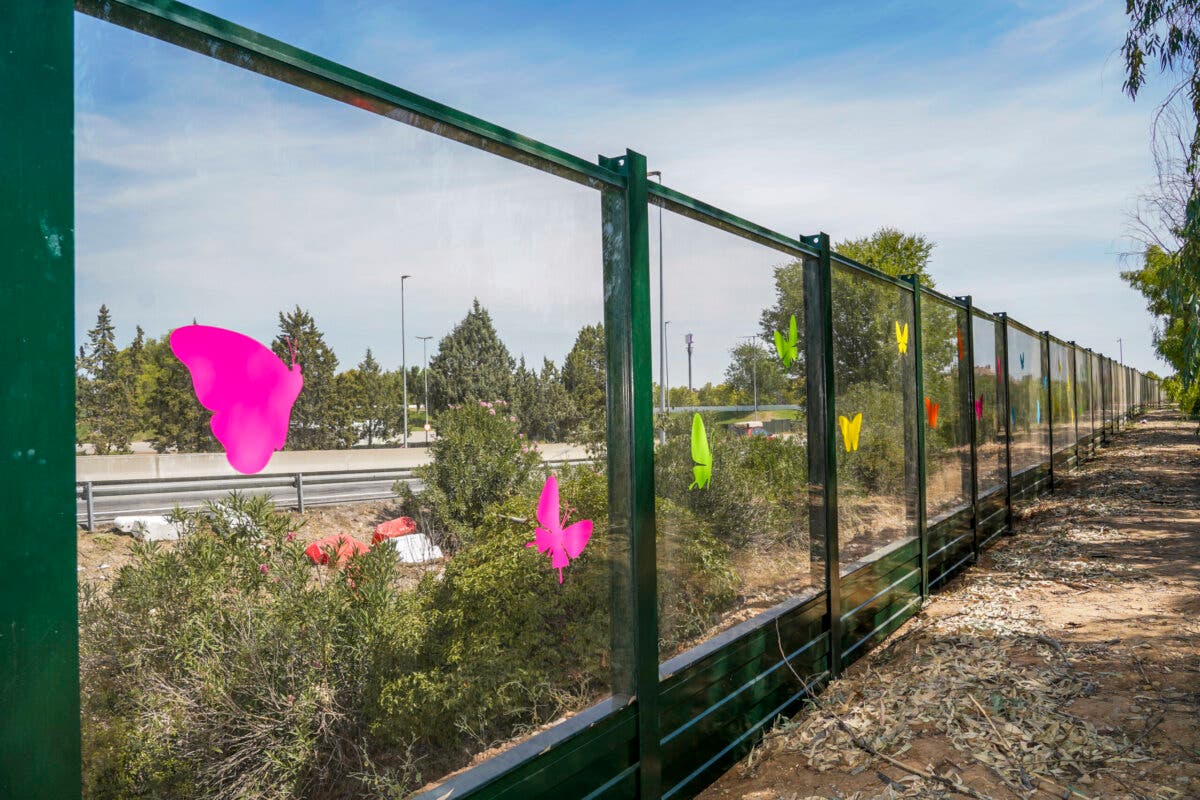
247,387
564,542
979,408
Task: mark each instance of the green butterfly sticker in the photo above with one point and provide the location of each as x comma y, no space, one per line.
702,469
788,348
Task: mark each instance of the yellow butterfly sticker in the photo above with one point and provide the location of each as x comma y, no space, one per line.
850,431
902,337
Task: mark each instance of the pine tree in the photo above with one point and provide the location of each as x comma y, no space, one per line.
583,376
175,417
105,403
371,403
471,363
321,417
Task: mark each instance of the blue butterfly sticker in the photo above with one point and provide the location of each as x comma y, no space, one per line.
1039,412
1022,357
1013,412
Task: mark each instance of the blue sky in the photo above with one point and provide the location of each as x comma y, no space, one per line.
998,129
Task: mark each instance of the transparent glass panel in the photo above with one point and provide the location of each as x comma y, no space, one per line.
387,288
1027,392
875,395
947,424
732,522
1061,396
1083,391
987,403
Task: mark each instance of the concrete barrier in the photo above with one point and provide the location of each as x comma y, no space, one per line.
140,466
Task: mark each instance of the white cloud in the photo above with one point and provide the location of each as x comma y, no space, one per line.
252,196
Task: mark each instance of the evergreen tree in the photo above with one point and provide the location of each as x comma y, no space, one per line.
370,402
105,404
471,363
175,417
321,417
583,376
541,403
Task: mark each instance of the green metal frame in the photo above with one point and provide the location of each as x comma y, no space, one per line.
39,659
669,729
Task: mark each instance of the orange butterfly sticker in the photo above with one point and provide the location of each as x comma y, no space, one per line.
931,411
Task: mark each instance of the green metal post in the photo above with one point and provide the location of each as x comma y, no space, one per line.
631,414
1007,410
1046,363
39,634
822,439
1075,398
972,424
919,376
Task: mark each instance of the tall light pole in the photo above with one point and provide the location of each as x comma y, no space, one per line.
666,366
753,340
403,358
690,340
425,372
662,327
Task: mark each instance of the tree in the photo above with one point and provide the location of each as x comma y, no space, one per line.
471,363
541,403
175,417
105,405
372,406
864,310
1168,218
583,376
321,417
752,368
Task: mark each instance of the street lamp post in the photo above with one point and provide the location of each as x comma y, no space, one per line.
425,372
690,340
666,367
403,358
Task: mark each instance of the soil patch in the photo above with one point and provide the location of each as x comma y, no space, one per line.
1066,663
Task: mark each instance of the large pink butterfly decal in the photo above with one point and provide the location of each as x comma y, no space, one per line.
247,387
979,408
563,541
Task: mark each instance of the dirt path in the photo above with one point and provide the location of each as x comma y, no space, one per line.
1066,663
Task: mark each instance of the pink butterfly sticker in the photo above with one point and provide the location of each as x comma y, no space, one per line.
979,408
562,541
247,387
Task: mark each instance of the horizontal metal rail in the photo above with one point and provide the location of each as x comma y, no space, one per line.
299,488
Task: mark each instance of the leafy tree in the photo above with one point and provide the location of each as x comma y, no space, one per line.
471,363
1168,219
863,309
321,417
583,376
752,368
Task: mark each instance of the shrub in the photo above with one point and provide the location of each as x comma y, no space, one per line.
506,646
757,494
221,668
479,459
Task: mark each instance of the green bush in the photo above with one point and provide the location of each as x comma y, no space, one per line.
695,582
221,668
757,493
506,646
479,458
878,466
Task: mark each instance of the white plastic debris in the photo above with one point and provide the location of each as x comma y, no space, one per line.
414,548
148,528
